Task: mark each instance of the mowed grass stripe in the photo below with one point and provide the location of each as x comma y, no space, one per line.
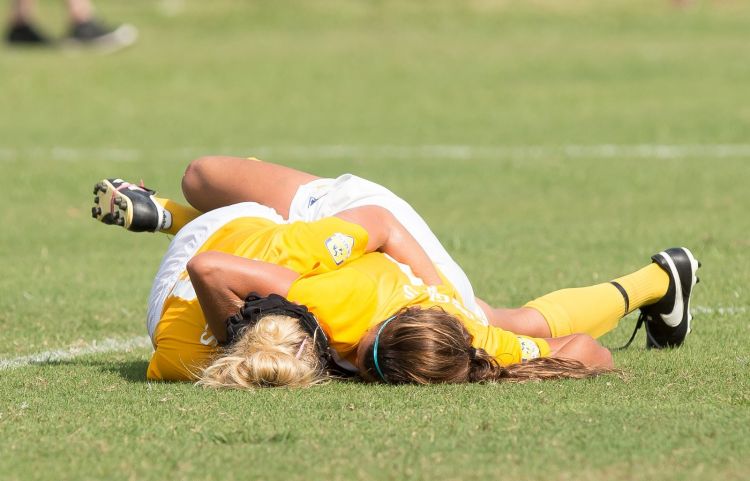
344,151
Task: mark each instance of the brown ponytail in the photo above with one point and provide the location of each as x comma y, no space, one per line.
426,346
486,368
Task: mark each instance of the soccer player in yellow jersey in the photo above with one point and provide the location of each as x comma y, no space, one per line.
352,294
223,255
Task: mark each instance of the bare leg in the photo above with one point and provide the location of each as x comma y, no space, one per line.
213,182
21,11
80,11
523,320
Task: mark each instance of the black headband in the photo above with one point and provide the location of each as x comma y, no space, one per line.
257,307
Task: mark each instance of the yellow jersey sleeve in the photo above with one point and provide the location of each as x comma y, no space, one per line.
505,346
321,246
304,247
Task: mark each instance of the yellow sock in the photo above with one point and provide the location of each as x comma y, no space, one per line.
596,310
181,214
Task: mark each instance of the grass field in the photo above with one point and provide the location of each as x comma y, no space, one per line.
549,144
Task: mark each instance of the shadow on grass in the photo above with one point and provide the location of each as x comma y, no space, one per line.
131,371
135,370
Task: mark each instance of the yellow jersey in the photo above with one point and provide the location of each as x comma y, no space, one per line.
347,290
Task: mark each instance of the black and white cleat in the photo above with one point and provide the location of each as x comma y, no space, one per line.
131,206
668,321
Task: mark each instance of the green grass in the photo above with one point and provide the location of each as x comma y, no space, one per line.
524,95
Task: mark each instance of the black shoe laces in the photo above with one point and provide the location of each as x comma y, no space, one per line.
643,318
638,325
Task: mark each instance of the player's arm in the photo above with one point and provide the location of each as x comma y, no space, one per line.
222,281
386,234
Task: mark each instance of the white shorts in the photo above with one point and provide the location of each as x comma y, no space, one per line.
186,243
327,197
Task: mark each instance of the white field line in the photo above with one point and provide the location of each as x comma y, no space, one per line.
78,350
721,310
125,345
450,152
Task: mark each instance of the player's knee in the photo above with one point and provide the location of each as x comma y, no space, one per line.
595,354
605,358
196,176
198,168
590,352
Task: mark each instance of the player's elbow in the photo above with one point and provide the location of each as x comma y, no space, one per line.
392,230
203,266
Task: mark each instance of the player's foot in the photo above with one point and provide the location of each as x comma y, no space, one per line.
93,33
668,321
26,34
131,206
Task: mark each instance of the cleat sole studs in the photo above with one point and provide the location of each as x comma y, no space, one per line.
96,199
120,222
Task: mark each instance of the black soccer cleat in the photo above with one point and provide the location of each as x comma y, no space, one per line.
668,321
25,34
133,207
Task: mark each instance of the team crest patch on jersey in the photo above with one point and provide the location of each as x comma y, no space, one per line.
340,247
529,349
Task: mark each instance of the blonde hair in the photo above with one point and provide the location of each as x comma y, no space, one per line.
274,352
425,346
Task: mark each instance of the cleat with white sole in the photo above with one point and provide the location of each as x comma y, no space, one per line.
129,205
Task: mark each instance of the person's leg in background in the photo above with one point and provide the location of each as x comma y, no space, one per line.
21,29
85,29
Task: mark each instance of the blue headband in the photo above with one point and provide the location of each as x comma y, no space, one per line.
375,348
